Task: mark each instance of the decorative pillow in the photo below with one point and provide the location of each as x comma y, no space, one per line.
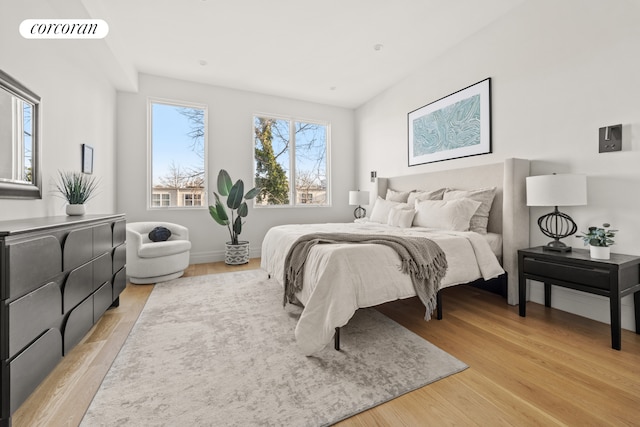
159,234
397,196
399,217
381,208
485,196
425,195
445,214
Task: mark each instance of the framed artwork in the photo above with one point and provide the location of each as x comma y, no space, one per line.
87,158
458,125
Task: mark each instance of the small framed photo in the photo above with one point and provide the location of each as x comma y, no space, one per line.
87,158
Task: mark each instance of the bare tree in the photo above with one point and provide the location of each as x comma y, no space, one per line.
174,178
197,133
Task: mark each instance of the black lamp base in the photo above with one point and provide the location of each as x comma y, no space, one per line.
359,212
556,246
557,225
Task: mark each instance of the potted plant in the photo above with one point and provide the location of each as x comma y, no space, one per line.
599,240
76,188
237,252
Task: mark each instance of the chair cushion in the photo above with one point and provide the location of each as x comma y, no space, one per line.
158,249
159,234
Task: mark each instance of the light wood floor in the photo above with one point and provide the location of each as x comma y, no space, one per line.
550,368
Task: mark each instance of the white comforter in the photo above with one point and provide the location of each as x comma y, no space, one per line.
340,278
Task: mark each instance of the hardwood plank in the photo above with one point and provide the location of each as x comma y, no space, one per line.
549,368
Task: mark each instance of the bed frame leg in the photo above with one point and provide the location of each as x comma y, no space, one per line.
439,306
336,340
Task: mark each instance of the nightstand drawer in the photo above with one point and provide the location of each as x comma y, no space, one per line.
594,277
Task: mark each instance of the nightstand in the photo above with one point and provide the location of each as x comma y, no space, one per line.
613,278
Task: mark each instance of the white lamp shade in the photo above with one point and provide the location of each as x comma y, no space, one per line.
557,190
358,197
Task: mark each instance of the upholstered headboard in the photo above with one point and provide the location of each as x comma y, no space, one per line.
509,213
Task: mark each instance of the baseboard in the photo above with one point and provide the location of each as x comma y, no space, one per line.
591,306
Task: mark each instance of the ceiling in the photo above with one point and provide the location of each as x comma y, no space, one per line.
336,52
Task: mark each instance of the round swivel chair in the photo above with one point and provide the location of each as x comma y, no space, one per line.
153,262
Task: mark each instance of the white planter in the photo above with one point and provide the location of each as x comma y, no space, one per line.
236,254
76,210
600,252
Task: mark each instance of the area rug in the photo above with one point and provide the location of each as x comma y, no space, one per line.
220,350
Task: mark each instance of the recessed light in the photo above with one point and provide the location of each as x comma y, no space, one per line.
202,62
377,46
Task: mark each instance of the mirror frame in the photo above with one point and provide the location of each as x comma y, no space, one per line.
19,189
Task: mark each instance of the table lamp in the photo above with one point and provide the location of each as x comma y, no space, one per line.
557,190
359,198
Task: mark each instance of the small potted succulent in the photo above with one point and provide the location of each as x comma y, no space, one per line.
599,240
237,252
76,188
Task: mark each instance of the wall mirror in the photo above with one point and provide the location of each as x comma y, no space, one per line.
20,175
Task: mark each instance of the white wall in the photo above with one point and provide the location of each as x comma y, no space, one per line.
230,147
559,70
78,107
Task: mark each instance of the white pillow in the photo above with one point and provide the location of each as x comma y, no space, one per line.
445,214
425,195
485,196
397,196
402,218
381,208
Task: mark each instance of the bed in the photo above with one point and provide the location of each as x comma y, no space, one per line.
340,278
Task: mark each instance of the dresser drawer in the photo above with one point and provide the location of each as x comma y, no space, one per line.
594,277
119,232
119,257
102,300
78,323
78,286
119,282
102,270
102,239
30,264
78,248
32,314
31,366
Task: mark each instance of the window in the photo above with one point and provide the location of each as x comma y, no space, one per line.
177,149
21,170
160,200
291,151
306,198
192,199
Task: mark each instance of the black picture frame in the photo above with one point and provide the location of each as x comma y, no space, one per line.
457,125
87,158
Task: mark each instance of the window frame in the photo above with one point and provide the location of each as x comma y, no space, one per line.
185,104
293,203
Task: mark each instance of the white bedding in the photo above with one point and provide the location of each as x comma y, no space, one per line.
340,278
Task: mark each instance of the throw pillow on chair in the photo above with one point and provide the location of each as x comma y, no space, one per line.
159,234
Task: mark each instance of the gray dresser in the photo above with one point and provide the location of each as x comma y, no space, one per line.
58,275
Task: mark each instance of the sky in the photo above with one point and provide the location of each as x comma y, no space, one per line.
171,141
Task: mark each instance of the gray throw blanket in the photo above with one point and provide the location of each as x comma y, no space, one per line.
421,258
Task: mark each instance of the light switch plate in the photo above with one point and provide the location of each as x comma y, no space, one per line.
610,138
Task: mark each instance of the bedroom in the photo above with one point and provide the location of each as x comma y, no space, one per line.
560,72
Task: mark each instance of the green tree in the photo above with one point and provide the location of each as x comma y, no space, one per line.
270,176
